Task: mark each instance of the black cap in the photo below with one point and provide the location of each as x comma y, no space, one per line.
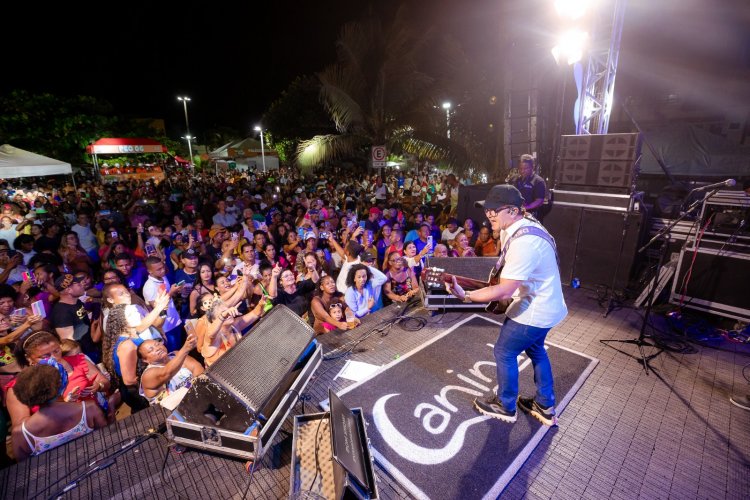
190,254
64,281
367,256
499,196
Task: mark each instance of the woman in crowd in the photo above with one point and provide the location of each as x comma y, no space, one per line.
120,356
83,379
289,292
269,255
363,290
469,231
414,259
309,268
326,296
55,422
383,242
72,253
203,284
165,372
396,247
461,247
223,328
401,284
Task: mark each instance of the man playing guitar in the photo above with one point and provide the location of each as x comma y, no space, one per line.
530,277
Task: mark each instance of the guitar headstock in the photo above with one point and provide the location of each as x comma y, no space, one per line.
434,277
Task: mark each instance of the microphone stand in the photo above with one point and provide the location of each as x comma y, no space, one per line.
641,341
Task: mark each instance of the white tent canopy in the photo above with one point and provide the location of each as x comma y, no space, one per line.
15,163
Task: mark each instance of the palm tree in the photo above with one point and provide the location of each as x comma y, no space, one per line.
378,92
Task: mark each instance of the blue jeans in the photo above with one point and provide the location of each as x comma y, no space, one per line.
514,339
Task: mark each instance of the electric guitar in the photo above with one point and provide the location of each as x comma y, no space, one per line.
435,278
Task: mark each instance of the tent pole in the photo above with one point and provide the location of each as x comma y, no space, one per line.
73,178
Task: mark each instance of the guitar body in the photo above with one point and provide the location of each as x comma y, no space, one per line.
435,278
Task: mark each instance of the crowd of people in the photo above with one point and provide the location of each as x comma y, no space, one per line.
122,293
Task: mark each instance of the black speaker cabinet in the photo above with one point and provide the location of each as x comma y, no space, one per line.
588,243
237,405
718,281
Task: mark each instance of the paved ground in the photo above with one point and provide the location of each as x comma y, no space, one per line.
670,434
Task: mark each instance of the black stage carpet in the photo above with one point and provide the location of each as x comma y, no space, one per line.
424,430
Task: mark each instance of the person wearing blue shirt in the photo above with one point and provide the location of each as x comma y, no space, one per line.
363,292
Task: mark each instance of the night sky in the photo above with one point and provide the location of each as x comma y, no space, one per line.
235,58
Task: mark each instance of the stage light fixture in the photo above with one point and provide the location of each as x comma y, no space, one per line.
570,46
572,9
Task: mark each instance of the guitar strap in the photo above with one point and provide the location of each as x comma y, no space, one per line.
523,231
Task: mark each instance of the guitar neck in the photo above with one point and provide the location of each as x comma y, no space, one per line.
467,283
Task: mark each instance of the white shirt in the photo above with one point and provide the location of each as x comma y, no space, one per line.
151,290
85,236
539,300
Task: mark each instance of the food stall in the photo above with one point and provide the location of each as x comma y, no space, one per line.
127,171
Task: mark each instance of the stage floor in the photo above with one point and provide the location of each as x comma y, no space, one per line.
670,434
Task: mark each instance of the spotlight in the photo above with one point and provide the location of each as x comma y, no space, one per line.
570,46
572,9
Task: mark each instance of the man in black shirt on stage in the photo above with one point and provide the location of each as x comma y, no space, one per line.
532,187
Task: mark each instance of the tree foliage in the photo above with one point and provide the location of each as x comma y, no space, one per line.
386,87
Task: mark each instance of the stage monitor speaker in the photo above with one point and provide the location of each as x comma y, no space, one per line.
244,385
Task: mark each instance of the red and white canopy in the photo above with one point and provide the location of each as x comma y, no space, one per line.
128,145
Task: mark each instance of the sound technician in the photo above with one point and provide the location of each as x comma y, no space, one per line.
532,187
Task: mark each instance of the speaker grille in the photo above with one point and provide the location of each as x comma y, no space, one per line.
269,350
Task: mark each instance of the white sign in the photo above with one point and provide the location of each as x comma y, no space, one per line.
378,156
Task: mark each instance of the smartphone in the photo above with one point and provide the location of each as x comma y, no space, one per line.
369,235
114,234
26,276
235,236
323,235
104,213
429,242
362,224
38,308
301,232
180,283
19,312
150,249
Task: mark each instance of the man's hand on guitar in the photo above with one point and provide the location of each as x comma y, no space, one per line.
455,289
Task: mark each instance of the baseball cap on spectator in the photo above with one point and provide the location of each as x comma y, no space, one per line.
230,198
189,254
216,229
310,235
375,210
367,256
64,281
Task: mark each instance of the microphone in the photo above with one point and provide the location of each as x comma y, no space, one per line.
726,183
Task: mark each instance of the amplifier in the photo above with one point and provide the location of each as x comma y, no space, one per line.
251,442
476,268
717,283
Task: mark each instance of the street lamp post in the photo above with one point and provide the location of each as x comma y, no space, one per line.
185,100
262,147
447,108
190,138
